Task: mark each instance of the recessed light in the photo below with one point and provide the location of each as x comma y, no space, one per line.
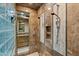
49,8
26,10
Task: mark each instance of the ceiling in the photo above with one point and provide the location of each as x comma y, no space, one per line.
35,6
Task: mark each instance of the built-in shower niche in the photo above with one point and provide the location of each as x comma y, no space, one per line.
22,32
48,32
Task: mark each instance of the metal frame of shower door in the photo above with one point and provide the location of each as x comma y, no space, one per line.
16,31
66,29
52,28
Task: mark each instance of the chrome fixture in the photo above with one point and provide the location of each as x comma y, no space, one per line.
11,13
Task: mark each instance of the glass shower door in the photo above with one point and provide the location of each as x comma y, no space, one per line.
59,28
22,40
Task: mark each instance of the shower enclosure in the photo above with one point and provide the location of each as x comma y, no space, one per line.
59,29
53,28
22,39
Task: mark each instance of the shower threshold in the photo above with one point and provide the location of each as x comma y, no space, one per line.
22,50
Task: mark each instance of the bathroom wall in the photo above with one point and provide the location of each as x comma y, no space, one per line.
7,30
59,44
34,28
73,29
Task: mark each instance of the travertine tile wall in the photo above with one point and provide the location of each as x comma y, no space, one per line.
73,29
34,28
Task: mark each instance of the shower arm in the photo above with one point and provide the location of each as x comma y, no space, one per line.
58,21
58,18
56,15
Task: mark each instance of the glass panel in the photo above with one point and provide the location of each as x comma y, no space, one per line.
59,28
48,39
22,33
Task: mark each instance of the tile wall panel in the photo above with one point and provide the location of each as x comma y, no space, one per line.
7,28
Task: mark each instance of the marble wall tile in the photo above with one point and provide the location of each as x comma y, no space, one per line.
73,28
34,28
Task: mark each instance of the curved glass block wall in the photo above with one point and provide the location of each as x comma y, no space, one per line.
7,28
